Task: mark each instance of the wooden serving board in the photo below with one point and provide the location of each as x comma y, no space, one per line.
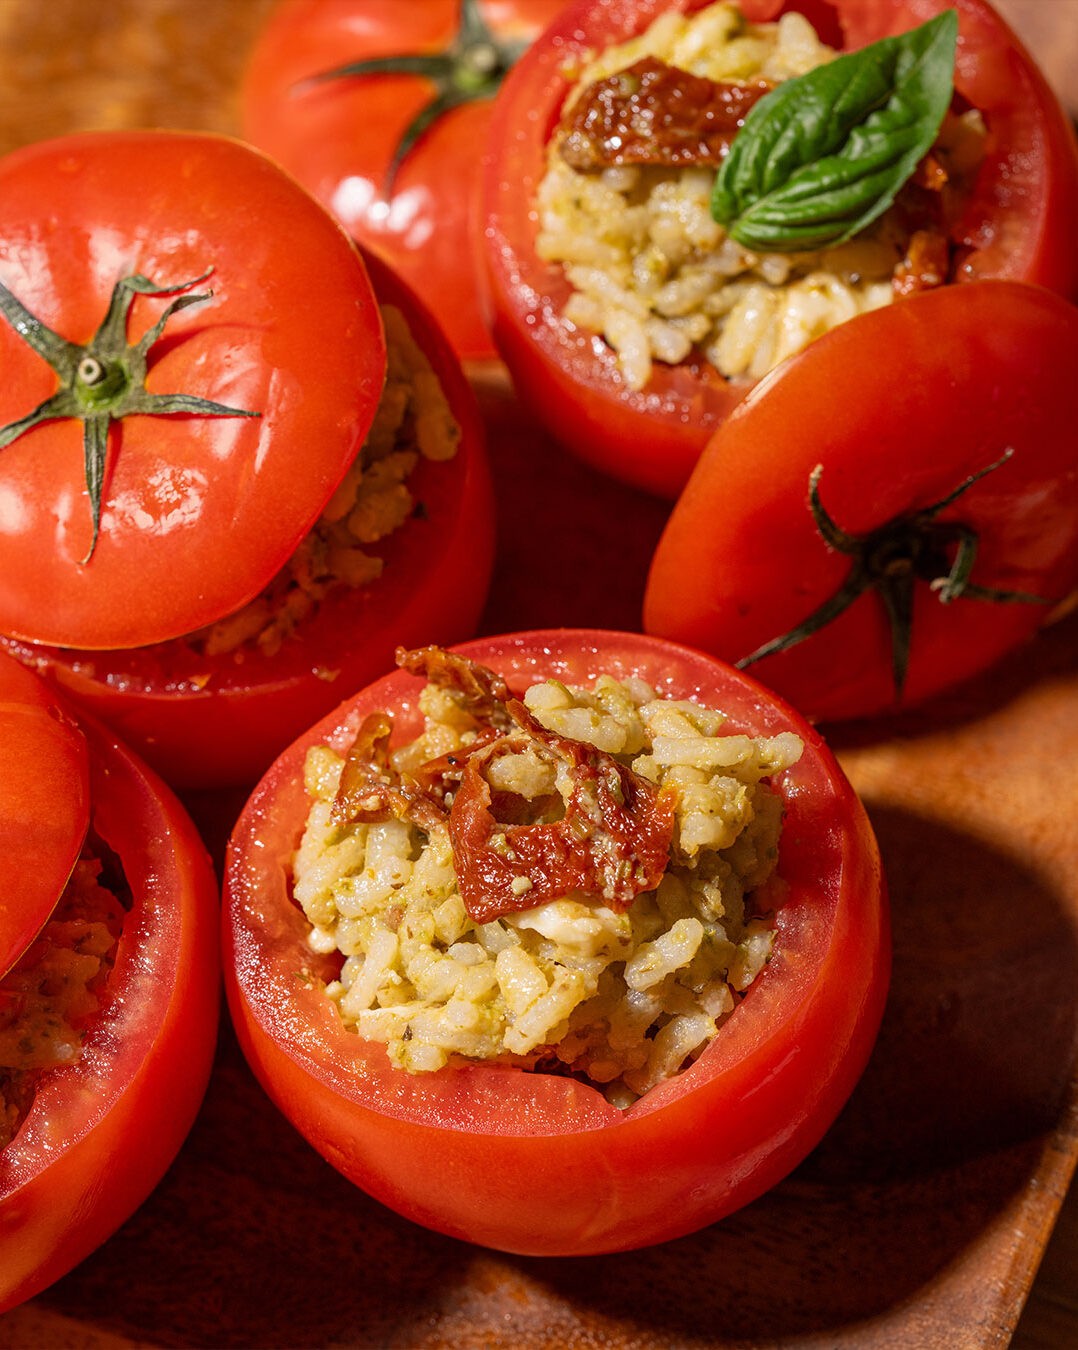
922,1218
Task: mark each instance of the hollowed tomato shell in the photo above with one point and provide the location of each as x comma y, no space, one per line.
535,1163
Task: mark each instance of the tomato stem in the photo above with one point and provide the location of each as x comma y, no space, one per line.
472,67
105,380
890,560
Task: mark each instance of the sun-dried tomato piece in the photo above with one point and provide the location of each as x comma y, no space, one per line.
612,843
654,113
443,773
370,791
926,263
484,691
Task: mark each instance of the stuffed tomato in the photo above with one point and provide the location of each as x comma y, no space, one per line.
108,984
378,110
542,915
633,305
239,467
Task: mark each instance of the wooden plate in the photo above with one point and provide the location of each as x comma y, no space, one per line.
921,1219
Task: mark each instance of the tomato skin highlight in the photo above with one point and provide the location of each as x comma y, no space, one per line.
291,332
1021,222
972,372
338,137
44,806
101,1133
544,1165
224,730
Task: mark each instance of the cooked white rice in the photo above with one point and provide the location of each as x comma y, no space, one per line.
624,999
653,272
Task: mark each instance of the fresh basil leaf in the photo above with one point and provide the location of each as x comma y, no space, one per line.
822,156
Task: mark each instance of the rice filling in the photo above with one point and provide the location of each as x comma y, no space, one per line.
623,982
651,271
49,996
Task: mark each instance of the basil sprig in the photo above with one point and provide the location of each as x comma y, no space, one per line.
822,156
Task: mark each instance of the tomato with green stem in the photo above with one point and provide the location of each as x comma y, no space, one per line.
220,444
544,1164
150,464
865,535
381,110
1018,223
121,1111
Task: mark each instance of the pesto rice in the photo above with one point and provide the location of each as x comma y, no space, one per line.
651,270
622,981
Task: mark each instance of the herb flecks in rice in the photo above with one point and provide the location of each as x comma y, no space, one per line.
654,274
623,996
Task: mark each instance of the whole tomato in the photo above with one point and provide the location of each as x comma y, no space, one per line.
380,108
867,535
544,1164
97,1133
234,420
1019,223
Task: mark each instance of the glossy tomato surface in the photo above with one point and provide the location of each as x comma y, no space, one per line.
539,1164
1021,222
44,805
211,720
974,374
198,511
339,135
101,1132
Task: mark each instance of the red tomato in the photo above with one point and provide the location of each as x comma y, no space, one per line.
1021,224
339,135
204,721
198,511
44,806
540,1164
981,372
101,1132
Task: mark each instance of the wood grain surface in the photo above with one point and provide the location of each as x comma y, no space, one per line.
920,1221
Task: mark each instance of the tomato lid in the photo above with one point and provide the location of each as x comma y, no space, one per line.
192,356
44,805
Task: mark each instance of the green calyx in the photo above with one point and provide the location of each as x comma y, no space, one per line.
891,560
472,67
104,380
